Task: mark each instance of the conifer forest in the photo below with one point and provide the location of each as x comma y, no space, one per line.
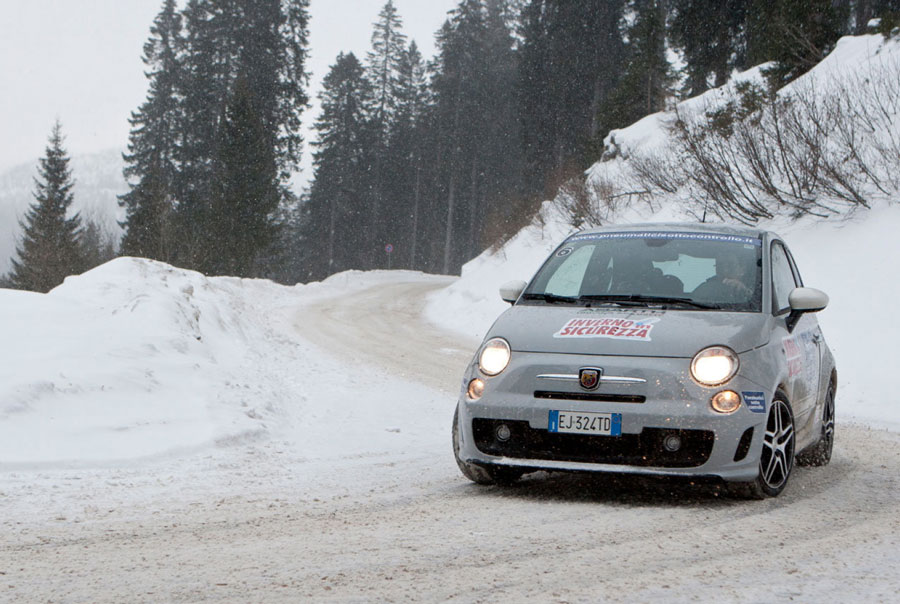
438,158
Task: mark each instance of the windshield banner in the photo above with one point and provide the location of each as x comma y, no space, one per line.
668,235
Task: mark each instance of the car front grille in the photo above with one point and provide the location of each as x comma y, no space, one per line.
644,449
589,396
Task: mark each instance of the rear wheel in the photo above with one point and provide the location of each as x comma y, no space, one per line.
820,453
481,474
777,458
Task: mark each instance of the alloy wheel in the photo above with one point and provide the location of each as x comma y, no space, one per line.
777,458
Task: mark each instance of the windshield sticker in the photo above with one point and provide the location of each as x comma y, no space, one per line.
755,401
754,241
608,327
564,252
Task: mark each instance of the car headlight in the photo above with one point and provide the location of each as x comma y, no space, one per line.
714,365
494,356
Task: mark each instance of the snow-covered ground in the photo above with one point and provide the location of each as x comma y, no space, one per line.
165,436
169,437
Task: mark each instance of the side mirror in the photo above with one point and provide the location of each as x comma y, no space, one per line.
511,291
804,300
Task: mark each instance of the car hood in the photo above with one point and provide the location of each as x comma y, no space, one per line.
627,332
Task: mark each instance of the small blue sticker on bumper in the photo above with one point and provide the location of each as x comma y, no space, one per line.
755,401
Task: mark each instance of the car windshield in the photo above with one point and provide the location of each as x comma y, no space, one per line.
674,269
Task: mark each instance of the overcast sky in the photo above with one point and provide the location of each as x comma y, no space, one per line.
80,60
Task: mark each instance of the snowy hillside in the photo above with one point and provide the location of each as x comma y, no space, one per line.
98,180
843,257
830,138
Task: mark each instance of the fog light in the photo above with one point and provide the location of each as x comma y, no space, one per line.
502,432
476,389
672,443
726,401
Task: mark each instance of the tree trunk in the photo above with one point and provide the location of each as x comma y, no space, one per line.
415,224
448,236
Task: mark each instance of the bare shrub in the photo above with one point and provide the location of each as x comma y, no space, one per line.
655,171
818,150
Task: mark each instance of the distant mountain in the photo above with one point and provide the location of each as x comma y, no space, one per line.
98,180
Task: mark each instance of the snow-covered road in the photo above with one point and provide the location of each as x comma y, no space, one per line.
354,496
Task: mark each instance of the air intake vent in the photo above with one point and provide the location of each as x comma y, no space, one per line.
744,445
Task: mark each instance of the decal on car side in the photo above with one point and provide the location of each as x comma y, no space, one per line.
799,352
793,354
616,328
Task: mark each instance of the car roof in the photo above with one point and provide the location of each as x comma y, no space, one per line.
680,227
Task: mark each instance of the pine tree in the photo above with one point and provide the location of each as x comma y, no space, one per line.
571,59
502,162
98,245
383,64
405,187
153,149
264,41
336,230
647,77
209,56
50,248
796,34
458,88
710,34
242,224
536,103
474,165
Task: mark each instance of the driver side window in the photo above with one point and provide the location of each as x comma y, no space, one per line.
782,279
566,281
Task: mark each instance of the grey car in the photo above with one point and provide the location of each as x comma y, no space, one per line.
665,349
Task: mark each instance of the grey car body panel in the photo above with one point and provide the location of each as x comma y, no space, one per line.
674,333
796,363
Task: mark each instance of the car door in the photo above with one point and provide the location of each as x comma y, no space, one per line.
800,346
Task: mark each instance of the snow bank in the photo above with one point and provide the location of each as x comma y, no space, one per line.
137,360
131,359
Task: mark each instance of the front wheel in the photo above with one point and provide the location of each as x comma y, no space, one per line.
481,474
777,458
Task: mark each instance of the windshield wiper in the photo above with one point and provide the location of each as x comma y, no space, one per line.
550,298
641,300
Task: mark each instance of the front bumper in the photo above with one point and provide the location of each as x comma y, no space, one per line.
658,400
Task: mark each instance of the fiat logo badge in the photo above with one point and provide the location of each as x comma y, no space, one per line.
589,377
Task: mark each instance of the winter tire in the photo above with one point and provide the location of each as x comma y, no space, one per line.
820,453
777,457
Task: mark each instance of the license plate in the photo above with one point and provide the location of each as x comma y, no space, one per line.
585,422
